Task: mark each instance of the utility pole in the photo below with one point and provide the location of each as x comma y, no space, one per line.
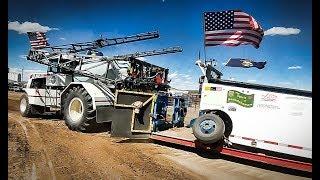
22,75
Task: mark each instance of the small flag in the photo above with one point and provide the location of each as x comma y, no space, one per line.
231,28
38,40
245,63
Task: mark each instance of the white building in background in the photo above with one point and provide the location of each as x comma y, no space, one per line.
22,75
14,75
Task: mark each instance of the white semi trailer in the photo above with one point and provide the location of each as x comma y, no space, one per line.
261,118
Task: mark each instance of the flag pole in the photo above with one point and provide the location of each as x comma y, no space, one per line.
22,74
205,54
204,39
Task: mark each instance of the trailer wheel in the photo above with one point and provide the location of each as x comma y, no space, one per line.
25,107
208,128
78,111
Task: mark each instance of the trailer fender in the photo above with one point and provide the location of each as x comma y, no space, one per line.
99,98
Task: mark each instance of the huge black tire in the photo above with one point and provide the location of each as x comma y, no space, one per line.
208,128
78,111
25,107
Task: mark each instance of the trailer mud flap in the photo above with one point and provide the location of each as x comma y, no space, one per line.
131,114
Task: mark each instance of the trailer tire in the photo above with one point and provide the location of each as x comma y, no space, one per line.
78,111
208,128
25,107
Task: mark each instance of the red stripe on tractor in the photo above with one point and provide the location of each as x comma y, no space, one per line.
293,146
271,142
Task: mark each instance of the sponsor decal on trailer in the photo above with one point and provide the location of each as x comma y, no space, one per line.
267,106
232,108
240,98
269,97
208,88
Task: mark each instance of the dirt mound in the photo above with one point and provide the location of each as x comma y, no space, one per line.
41,148
13,101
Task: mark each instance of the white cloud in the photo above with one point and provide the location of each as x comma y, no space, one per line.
173,75
28,27
142,58
285,83
185,75
186,86
63,39
252,80
295,67
182,81
23,56
183,84
281,31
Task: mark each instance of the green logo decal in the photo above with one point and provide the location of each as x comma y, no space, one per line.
240,98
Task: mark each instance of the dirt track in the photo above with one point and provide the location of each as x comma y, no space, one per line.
47,149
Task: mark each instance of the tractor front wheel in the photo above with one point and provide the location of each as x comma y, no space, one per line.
78,111
25,107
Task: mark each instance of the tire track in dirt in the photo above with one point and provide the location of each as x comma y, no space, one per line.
48,160
34,140
23,127
34,172
18,149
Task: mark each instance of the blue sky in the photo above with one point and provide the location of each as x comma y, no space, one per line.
287,49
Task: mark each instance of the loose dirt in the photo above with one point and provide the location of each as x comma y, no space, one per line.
47,149
41,148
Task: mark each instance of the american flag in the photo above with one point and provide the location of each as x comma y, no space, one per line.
231,28
38,39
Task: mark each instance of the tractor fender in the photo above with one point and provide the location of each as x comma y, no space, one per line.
99,97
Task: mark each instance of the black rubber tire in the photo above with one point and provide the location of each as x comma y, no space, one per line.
180,124
28,110
227,122
87,123
209,138
155,128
